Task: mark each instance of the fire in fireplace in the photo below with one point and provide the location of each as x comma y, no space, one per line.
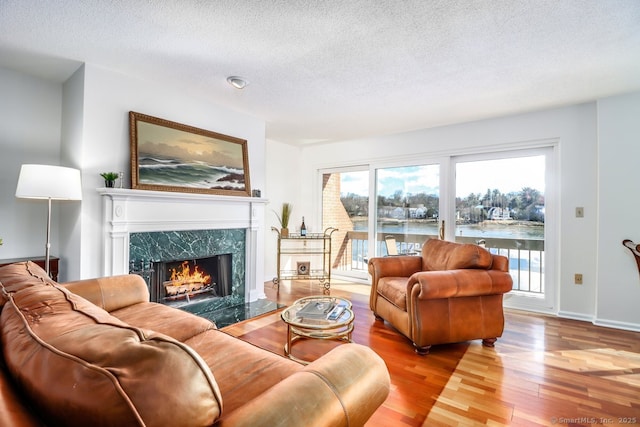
186,280
191,279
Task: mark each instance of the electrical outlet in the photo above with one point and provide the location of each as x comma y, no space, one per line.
577,279
579,212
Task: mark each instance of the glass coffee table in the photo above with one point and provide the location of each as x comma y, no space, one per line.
317,323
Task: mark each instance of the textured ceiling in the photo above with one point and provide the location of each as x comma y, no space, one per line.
328,70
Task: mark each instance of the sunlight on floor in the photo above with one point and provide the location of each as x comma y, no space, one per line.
504,388
336,284
356,288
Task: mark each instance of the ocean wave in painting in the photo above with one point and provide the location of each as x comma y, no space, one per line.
176,173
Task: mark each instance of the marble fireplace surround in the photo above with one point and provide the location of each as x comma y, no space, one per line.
127,212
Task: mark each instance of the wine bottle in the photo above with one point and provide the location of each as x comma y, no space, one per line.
303,228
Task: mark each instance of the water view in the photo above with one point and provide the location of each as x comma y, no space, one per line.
495,229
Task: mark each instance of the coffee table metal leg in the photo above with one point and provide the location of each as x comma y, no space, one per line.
294,335
287,346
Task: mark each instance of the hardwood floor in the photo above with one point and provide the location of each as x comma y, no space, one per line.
544,370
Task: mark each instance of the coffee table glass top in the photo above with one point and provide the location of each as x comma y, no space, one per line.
294,315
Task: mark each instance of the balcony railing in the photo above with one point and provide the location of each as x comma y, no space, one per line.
526,256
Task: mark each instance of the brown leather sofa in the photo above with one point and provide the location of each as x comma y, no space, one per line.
452,293
98,353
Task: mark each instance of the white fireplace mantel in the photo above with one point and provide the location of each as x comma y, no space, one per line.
128,211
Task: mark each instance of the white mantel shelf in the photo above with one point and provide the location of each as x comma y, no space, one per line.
129,194
128,211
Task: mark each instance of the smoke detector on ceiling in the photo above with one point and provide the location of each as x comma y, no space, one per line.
237,82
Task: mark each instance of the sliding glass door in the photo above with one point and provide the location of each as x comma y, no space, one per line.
502,201
345,206
407,207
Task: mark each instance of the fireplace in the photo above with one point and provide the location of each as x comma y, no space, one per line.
168,261
144,227
191,280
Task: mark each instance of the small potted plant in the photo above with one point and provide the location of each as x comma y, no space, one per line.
109,178
283,218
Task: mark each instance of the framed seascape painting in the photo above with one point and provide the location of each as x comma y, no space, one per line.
169,156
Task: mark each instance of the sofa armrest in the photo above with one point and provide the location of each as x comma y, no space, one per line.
111,293
342,388
459,283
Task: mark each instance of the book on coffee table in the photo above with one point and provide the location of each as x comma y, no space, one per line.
337,311
316,309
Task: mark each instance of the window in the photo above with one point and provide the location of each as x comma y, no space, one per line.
502,200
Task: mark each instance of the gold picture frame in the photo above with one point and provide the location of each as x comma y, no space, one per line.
169,156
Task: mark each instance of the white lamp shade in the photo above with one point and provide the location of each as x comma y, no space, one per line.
49,182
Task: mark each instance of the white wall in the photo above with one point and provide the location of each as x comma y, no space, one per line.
282,186
71,153
618,291
30,110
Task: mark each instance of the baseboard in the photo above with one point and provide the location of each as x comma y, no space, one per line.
605,323
576,316
634,327
523,305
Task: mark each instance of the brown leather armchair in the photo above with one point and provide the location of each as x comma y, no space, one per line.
451,293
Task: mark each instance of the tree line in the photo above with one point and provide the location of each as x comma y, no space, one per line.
524,205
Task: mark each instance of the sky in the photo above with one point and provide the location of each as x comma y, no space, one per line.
506,175
177,144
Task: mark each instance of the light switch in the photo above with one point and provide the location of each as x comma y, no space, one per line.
579,212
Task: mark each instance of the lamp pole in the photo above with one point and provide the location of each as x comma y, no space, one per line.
47,246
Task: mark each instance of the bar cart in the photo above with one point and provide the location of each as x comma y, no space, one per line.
305,257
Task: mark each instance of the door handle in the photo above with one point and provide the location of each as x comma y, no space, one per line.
441,232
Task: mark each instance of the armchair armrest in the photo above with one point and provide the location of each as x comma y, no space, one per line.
459,283
111,293
395,266
342,388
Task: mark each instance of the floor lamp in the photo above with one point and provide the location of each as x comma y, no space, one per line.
48,183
